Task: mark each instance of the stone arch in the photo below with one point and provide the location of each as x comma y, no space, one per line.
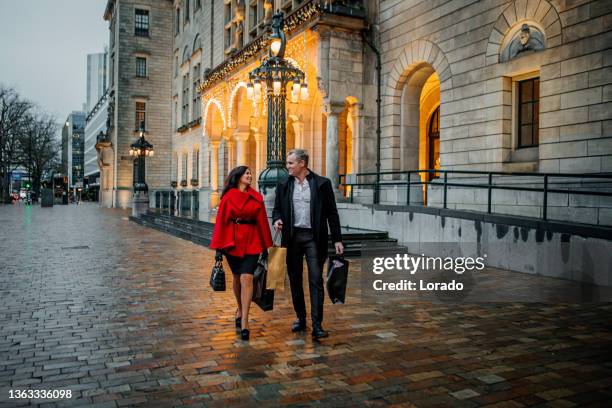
419,58
186,54
517,12
197,44
232,114
207,106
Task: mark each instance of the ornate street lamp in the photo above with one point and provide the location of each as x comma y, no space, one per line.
141,149
276,74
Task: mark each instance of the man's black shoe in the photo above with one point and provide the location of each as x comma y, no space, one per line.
298,325
318,332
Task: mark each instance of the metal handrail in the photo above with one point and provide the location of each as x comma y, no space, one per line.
489,185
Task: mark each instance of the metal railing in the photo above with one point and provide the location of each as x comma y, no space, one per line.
549,185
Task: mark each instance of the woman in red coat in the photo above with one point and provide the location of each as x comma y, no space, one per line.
241,233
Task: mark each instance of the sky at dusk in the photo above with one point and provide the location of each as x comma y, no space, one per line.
44,46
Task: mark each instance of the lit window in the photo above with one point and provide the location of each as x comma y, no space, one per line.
140,114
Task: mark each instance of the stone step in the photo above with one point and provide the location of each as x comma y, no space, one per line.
200,232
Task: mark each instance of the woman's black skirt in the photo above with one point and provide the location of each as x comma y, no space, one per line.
240,265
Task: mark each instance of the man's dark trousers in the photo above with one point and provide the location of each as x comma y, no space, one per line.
303,244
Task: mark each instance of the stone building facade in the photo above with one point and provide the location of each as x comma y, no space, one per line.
216,127
519,86
140,45
495,85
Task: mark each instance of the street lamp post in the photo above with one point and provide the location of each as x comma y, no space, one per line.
141,149
276,73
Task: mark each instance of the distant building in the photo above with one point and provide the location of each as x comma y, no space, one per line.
140,66
96,120
97,77
73,142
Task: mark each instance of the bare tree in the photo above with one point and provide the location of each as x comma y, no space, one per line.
38,147
13,117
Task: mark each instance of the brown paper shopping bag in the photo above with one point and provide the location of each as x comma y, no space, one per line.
277,266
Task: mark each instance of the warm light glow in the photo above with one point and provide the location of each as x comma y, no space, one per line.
277,87
295,96
275,46
304,92
257,90
151,152
296,87
249,89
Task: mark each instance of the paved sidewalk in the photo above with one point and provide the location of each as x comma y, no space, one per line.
122,315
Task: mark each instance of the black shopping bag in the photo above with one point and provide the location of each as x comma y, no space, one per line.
337,275
266,301
217,277
262,297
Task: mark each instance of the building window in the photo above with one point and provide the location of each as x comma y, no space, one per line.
185,100
175,115
141,67
141,23
196,93
140,114
177,22
186,11
198,5
111,73
176,66
184,165
174,167
195,175
528,112
228,26
256,16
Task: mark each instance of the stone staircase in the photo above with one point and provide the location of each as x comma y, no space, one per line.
200,232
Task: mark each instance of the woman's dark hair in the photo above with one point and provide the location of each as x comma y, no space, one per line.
233,178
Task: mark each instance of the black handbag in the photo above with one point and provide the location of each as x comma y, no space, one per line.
262,297
337,275
217,277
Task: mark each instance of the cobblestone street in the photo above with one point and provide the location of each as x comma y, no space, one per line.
123,315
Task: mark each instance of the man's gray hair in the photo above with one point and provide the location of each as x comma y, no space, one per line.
300,154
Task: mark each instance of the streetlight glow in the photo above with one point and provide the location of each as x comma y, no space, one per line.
275,46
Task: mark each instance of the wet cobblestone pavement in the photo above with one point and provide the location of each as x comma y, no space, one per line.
122,315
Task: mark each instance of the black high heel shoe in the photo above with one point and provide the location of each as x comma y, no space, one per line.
244,334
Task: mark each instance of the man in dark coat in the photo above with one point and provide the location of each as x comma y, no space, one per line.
305,205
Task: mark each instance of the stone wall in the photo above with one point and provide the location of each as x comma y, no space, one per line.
520,248
462,39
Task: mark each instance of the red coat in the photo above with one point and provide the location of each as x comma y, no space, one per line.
241,239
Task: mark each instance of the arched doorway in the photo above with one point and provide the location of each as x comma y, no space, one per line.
346,137
213,131
243,139
433,143
419,131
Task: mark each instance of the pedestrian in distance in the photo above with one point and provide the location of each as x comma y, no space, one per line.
241,233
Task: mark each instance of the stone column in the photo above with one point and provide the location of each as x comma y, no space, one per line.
230,145
241,148
214,173
260,160
331,146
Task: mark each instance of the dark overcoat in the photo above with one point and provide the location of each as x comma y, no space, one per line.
323,212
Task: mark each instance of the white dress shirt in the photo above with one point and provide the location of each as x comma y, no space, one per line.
301,203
